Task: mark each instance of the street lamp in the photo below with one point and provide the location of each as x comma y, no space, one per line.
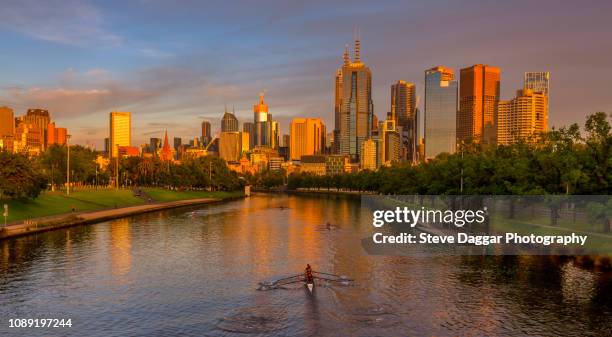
68,165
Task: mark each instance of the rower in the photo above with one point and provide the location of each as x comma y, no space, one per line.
308,274
328,226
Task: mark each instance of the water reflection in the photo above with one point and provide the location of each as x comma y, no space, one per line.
194,272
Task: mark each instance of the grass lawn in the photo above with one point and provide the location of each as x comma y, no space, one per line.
53,203
162,194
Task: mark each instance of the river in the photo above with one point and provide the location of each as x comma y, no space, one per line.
195,271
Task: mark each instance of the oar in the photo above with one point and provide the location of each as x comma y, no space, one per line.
322,273
286,278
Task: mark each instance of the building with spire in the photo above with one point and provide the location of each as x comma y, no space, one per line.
166,151
354,105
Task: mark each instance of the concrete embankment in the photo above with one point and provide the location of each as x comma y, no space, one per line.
38,225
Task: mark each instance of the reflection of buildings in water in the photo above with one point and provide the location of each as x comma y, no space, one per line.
121,246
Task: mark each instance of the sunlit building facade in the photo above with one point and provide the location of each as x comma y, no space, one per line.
262,124
120,131
405,114
206,133
55,135
231,145
440,115
522,118
355,104
229,122
307,137
479,91
370,155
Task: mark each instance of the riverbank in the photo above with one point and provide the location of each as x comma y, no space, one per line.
168,200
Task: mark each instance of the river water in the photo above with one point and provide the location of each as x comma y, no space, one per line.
195,271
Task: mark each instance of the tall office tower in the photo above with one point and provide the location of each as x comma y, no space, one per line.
539,82
440,122
523,117
337,105
231,145
120,131
263,124
40,119
390,148
206,132
307,137
56,135
248,127
404,112
154,145
478,97
355,104
7,121
229,122
107,145
286,140
370,155
275,137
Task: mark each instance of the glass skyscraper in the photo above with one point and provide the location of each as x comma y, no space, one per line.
440,111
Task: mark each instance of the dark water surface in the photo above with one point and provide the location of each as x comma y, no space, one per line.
195,272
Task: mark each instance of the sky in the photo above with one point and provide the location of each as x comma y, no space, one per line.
174,64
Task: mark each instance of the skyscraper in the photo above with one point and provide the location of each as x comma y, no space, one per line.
229,122
440,122
263,124
56,135
390,147
404,112
39,119
206,132
120,131
307,137
248,127
275,135
478,97
231,145
523,117
539,82
7,121
355,103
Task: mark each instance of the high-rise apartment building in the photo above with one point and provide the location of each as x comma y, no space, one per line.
404,112
479,91
440,122
354,99
120,131
206,133
229,122
307,137
523,117
538,81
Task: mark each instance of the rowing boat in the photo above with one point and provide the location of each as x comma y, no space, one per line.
301,278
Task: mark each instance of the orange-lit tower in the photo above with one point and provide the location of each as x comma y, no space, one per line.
166,152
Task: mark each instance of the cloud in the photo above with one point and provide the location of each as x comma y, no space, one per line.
68,22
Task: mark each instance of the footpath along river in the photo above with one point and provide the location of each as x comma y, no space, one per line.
194,271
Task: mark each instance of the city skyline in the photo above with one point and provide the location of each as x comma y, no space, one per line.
110,67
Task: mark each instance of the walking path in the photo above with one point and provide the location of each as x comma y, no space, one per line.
72,219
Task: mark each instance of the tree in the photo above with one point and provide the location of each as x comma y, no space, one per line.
20,177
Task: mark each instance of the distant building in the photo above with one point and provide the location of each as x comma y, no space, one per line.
479,92
120,131
231,145
369,155
263,132
405,114
229,122
166,153
307,137
206,133
390,147
128,151
7,121
522,118
539,82
286,140
275,163
28,139
336,164
275,135
55,135
39,119
154,145
440,122
354,98
313,164
248,127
